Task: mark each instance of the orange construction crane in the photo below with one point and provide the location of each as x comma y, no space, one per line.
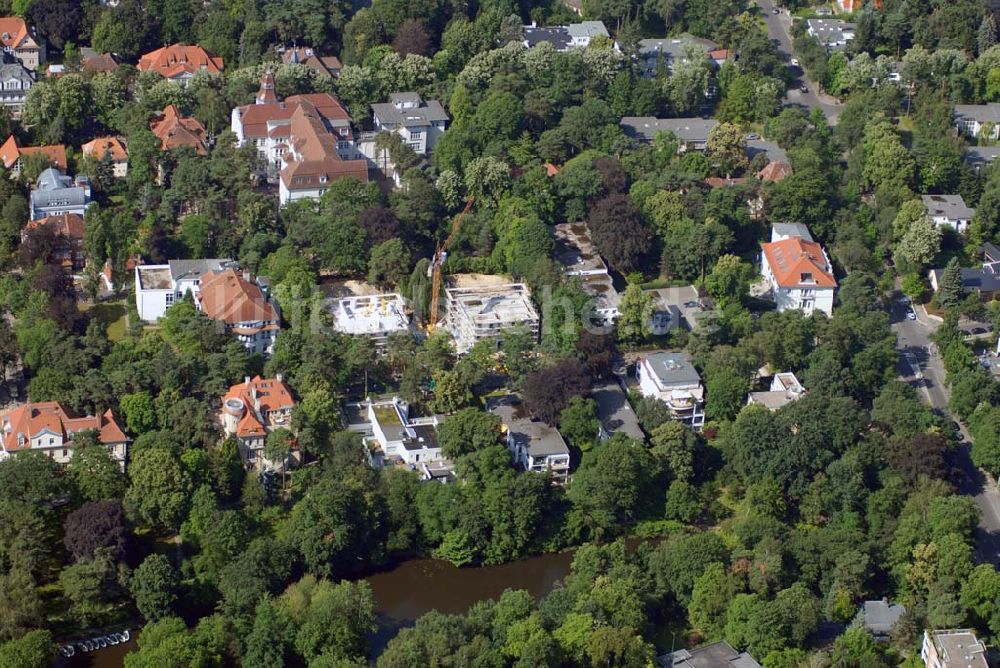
439,257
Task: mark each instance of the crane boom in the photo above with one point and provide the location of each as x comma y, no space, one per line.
439,255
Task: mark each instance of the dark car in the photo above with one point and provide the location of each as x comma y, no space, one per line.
977,330
804,88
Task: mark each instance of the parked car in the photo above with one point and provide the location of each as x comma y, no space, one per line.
775,10
794,62
752,136
804,88
911,314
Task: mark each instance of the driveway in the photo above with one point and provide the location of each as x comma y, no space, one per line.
921,366
779,30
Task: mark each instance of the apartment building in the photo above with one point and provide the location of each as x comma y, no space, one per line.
55,194
798,273
477,313
375,317
419,123
672,378
953,648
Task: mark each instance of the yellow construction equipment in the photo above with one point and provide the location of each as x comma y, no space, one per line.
440,253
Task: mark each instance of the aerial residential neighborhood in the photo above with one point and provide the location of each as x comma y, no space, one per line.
553,333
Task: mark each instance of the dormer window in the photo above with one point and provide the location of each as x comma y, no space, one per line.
807,277
323,178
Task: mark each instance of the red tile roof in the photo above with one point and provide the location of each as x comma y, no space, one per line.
100,146
11,151
31,420
14,33
314,161
791,260
719,182
774,171
175,131
69,225
171,61
228,296
262,395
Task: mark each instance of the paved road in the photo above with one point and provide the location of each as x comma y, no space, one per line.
778,29
921,366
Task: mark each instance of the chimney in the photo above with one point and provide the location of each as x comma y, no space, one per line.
246,380
246,275
280,377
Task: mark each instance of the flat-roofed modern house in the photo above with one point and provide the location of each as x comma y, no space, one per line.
953,648
691,132
576,252
375,317
672,378
477,313
978,121
396,437
948,211
418,122
159,286
785,388
534,445
564,38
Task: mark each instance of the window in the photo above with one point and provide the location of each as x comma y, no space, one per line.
170,298
416,134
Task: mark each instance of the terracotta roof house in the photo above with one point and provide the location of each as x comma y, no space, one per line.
48,428
313,128
774,171
313,160
180,62
799,273
304,55
12,154
19,41
68,228
112,147
240,302
175,131
251,410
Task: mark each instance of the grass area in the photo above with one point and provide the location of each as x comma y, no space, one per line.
114,317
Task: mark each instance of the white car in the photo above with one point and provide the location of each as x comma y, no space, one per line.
795,62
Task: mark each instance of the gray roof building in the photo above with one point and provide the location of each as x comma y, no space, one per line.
15,81
671,49
673,368
538,438
790,230
773,152
831,33
186,270
981,113
55,194
978,157
717,655
615,412
564,38
879,617
408,110
688,130
950,207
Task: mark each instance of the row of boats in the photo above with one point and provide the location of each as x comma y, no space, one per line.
93,644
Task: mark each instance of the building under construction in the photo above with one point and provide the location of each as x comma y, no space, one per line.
476,313
373,316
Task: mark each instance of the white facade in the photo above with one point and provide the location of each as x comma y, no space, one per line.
478,313
418,123
672,378
948,211
799,298
979,121
371,316
159,286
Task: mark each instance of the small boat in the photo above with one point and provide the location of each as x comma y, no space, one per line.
87,646
113,638
101,642
125,636
67,651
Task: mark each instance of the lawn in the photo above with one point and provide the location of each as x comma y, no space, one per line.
114,317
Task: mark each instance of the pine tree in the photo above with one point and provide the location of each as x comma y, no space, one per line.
950,284
987,36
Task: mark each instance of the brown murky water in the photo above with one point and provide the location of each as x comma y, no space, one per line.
109,657
416,587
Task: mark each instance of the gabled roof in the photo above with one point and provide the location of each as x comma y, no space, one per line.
101,146
228,296
798,263
313,160
175,131
259,395
14,33
69,225
774,171
176,59
92,61
952,207
261,120
304,55
34,419
11,151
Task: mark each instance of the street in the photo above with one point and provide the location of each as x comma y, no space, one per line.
921,366
778,29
